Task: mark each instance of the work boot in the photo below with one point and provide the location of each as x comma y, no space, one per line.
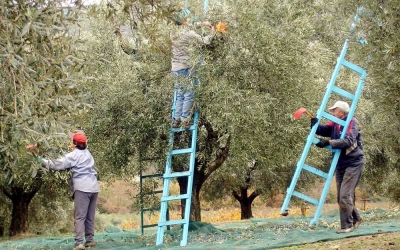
345,230
176,123
90,244
357,223
187,122
79,247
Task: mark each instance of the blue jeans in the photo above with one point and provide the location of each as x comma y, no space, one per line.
346,182
184,93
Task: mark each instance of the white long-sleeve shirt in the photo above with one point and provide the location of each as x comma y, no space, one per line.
81,162
180,43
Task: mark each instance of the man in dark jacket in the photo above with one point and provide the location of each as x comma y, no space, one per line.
349,166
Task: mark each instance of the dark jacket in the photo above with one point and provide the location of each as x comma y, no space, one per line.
351,154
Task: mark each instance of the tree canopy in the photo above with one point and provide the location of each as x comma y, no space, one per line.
40,94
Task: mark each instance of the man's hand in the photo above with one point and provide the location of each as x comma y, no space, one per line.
32,148
313,121
207,23
322,143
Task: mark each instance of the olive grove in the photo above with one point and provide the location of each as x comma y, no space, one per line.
115,84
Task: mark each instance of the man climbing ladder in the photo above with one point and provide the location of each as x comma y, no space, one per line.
182,123
182,68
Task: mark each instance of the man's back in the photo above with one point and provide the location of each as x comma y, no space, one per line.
181,42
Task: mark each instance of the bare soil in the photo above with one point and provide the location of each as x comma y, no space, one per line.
369,242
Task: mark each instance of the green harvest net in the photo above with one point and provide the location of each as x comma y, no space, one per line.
245,234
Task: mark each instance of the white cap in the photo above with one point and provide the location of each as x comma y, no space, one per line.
342,105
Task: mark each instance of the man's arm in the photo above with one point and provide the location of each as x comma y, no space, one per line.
59,164
200,39
325,130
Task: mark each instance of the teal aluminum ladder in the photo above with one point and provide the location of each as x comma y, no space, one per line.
143,206
311,139
169,175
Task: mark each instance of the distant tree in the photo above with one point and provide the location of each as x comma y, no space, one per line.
380,22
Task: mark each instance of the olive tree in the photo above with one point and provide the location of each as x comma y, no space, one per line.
267,74
39,96
381,21
237,101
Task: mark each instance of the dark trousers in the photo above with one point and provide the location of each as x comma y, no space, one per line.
346,182
84,211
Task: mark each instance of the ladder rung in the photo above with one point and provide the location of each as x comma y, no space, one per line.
315,171
316,140
171,222
174,197
177,174
305,197
333,118
150,225
343,92
150,209
151,176
151,159
353,67
181,151
192,127
154,192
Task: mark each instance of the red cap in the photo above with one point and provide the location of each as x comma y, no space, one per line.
79,137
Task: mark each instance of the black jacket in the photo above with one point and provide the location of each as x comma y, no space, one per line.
351,154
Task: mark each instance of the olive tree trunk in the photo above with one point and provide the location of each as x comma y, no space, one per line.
20,199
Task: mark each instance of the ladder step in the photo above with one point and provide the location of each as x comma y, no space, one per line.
174,197
150,225
151,176
333,118
353,67
181,151
315,171
150,209
305,197
192,127
343,92
177,174
171,222
154,192
316,140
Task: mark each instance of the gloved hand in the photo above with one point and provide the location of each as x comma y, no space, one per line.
322,143
32,148
40,160
313,121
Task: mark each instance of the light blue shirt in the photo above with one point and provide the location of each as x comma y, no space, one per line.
84,176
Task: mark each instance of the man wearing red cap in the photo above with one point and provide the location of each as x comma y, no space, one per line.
84,186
